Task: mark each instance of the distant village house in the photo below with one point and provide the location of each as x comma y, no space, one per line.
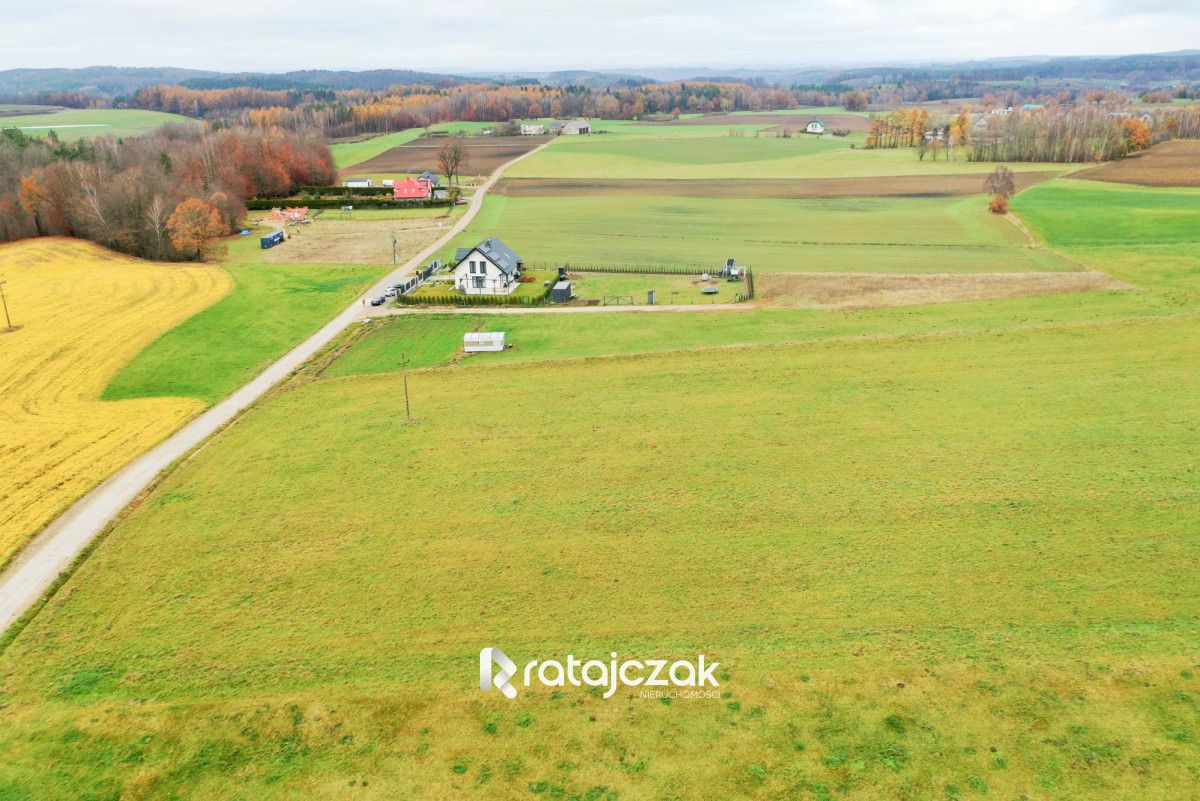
532,129
576,127
815,126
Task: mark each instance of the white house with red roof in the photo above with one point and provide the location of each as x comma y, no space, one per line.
412,189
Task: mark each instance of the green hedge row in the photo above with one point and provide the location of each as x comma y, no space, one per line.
337,203
472,300
343,191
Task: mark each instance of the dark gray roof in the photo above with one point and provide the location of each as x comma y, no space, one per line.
462,253
498,254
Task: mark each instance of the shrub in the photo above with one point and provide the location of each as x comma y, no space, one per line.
998,205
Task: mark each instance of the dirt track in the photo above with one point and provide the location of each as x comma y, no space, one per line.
484,154
893,186
1175,163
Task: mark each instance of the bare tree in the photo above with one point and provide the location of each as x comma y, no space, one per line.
1000,183
452,159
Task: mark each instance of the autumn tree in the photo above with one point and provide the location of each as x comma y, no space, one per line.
195,228
452,159
1135,134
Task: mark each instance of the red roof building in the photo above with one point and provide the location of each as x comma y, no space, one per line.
411,189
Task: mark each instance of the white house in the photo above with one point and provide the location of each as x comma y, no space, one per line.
489,268
532,129
815,126
360,183
577,127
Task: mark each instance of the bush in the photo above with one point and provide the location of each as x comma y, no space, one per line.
998,205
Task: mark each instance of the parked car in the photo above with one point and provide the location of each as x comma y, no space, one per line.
379,301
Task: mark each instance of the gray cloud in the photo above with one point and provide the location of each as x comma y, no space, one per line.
524,35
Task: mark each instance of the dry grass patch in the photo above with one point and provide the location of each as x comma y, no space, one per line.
82,313
330,240
866,290
1174,163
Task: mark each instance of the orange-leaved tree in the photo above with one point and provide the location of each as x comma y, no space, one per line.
195,228
1136,134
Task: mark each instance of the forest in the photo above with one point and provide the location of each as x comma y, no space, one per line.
171,195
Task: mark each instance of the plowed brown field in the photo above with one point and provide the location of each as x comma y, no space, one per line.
1174,163
484,153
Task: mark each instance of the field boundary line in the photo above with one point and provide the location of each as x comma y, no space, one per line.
51,555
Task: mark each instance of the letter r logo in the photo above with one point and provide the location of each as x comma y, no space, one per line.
505,668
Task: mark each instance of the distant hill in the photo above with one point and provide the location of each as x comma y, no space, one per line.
99,80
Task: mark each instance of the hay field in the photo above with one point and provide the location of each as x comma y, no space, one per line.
1175,163
82,313
917,560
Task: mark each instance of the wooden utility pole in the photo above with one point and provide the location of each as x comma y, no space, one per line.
4,299
394,239
404,372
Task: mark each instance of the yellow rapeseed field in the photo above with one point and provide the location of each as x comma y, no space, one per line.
81,312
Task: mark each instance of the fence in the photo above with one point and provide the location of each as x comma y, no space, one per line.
450,299
634,269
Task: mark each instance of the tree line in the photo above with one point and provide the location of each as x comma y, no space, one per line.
169,195
352,112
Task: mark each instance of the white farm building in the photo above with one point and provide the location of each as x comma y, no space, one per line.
489,268
815,126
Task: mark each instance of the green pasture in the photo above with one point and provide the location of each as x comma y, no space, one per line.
71,124
922,562
672,152
858,234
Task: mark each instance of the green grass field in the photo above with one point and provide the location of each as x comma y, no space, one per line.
914,579
709,152
272,307
942,552
71,124
908,235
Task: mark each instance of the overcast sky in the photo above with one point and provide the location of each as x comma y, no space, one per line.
514,35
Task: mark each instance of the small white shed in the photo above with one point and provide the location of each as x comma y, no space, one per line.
483,341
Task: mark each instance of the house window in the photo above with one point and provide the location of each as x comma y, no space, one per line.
478,282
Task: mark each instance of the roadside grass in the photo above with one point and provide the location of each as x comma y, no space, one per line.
81,313
541,337
426,340
923,563
902,235
97,122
